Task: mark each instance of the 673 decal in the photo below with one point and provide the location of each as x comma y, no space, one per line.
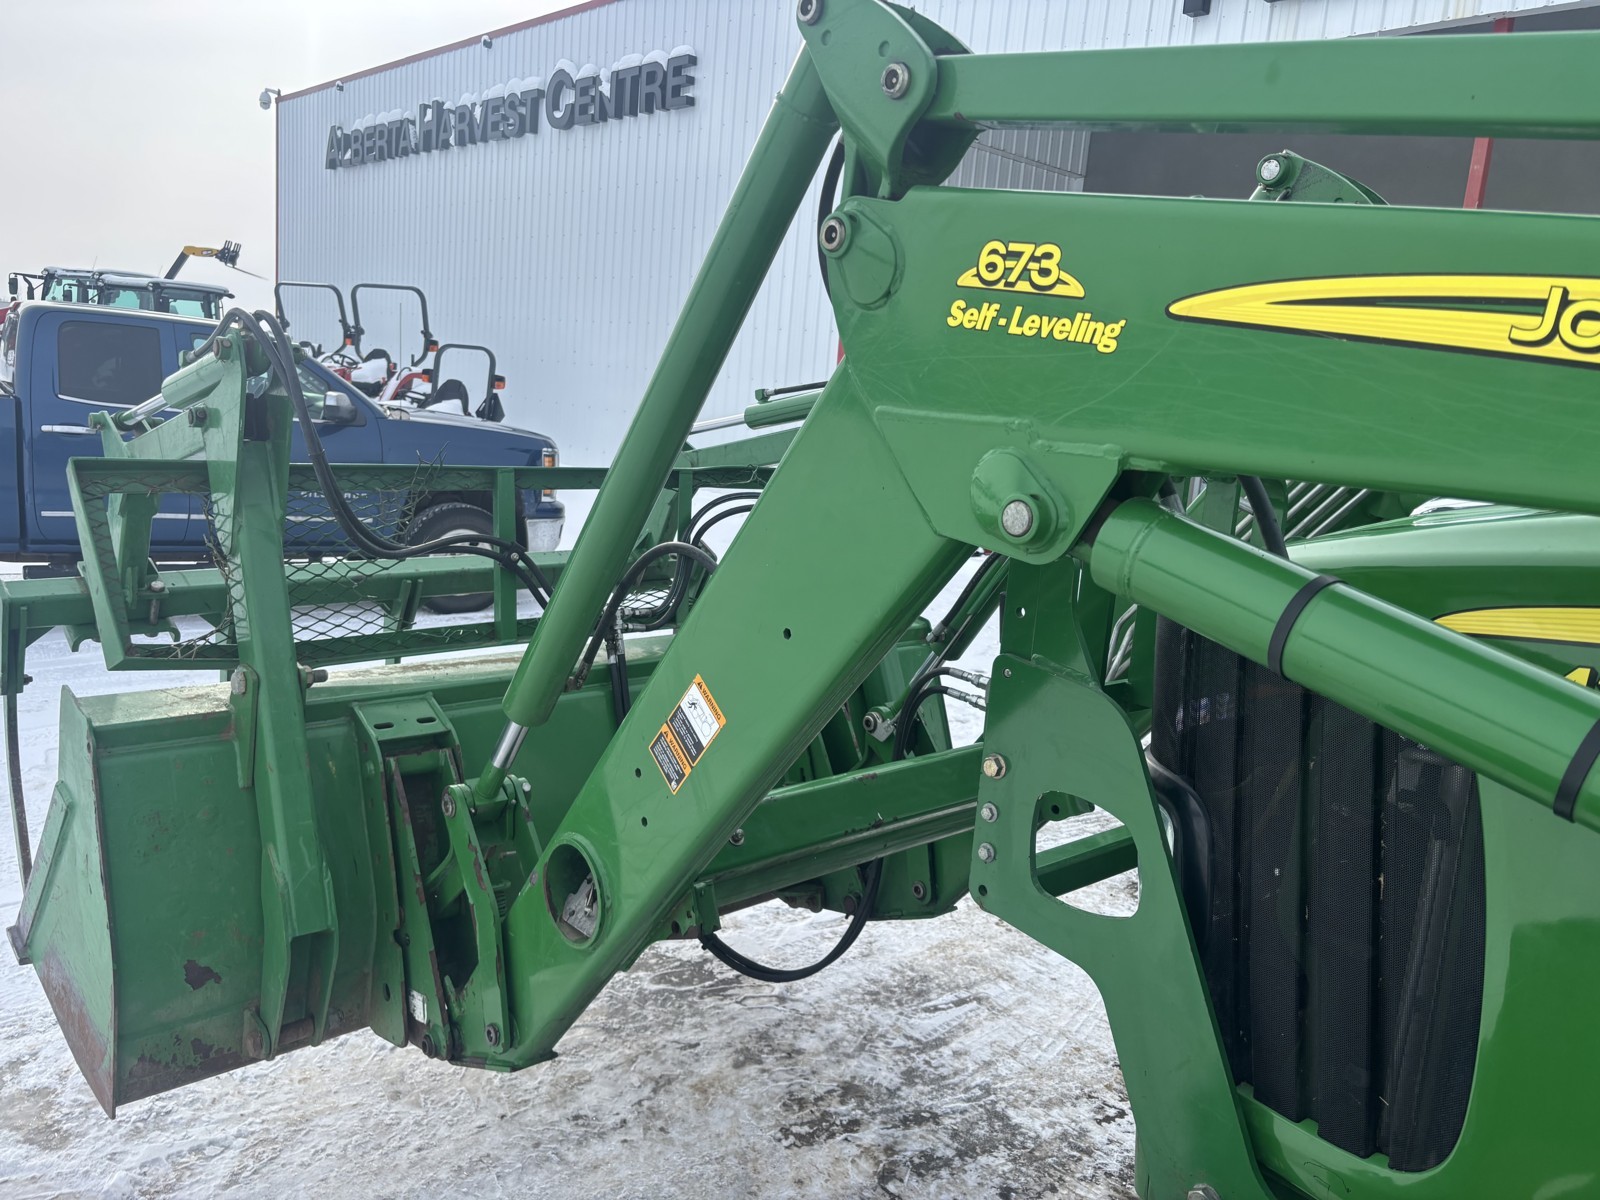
1033,268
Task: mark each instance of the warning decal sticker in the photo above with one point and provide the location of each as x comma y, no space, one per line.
673,768
689,729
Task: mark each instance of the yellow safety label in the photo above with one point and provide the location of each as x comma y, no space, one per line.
689,729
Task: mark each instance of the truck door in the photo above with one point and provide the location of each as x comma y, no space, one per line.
81,366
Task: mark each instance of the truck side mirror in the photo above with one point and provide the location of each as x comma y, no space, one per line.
338,409
11,284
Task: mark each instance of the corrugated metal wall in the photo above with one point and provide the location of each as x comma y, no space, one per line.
570,252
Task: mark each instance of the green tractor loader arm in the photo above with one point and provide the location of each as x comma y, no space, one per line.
1354,779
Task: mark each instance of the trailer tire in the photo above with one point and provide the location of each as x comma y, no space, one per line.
448,520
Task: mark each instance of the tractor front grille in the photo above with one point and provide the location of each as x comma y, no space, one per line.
1334,875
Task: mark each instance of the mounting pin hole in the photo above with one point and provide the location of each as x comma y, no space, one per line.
572,893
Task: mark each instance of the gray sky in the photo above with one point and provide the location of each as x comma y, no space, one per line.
133,126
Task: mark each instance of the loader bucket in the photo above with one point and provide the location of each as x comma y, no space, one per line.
143,916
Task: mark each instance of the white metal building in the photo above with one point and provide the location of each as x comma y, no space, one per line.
568,250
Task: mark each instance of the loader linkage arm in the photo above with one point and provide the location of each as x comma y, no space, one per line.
1024,373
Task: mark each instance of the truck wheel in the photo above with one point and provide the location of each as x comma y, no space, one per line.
452,520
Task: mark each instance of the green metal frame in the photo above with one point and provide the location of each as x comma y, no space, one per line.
938,433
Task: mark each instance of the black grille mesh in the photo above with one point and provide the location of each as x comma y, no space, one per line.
1343,935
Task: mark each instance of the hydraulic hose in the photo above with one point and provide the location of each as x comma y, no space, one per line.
871,878
619,593
700,534
697,528
1266,517
906,721
262,328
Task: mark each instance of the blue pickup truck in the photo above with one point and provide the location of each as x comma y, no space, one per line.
61,362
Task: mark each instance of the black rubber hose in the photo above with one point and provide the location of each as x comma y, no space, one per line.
1266,518
680,580
264,330
987,565
725,498
930,665
908,715
508,554
871,878
621,700
699,535
620,593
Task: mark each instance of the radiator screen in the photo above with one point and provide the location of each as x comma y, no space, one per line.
1335,887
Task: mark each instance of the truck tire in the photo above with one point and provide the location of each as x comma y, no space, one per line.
449,520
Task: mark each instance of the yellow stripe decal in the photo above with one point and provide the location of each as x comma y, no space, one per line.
1579,626
1553,318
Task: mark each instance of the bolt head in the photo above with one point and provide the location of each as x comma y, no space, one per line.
1203,1191
1270,171
986,853
989,812
448,804
919,890
834,234
1017,519
896,80
809,11
737,839
994,767
491,1034
238,682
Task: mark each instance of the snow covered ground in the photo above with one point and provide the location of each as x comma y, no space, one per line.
948,1058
